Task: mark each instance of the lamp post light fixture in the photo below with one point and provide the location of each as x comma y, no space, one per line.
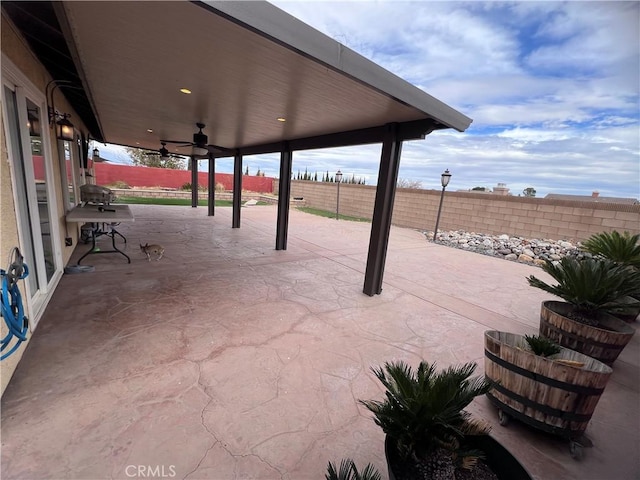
338,180
446,176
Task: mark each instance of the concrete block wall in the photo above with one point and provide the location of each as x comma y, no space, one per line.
186,195
479,212
355,200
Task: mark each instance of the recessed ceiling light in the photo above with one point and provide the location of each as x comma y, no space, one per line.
281,119
186,91
150,130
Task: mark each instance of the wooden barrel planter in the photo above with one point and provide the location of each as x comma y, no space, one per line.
542,392
603,344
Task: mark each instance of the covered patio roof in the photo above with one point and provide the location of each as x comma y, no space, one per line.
248,66
246,63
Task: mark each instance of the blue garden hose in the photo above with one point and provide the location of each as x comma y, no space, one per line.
11,302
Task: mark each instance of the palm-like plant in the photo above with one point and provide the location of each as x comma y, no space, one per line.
423,409
349,471
622,249
590,285
542,346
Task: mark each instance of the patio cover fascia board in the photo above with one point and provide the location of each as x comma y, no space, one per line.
417,129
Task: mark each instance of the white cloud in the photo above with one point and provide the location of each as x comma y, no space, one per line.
553,88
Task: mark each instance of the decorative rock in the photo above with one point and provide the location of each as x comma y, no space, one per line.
532,251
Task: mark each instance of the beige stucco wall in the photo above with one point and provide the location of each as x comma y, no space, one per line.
477,212
17,50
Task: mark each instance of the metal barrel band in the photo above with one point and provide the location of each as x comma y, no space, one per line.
563,432
544,379
546,409
581,339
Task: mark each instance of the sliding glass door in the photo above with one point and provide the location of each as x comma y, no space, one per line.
34,191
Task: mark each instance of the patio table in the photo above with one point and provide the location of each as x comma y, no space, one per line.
103,220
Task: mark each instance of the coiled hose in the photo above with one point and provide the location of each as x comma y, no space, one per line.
11,302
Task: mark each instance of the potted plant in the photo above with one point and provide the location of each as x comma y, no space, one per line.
589,288
544,385
429,435
623,249
349,471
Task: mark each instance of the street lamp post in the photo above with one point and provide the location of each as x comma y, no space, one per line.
338,180
446,176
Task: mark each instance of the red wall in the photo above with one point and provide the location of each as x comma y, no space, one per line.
134,176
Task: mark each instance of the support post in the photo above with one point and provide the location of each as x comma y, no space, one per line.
194,182
435,232
383,209
211,192
338,202
284,192
237,189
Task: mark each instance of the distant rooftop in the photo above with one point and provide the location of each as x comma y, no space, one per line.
594,197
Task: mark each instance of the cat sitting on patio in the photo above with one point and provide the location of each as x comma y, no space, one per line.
157,250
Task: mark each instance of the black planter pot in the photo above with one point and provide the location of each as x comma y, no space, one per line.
498,458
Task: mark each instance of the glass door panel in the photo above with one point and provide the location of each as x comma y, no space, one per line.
41,187
28,247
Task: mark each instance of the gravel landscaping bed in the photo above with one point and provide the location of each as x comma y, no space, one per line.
533,251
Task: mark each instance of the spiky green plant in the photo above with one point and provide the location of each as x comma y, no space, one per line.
423,410
623,249
590,285
349,471
542,346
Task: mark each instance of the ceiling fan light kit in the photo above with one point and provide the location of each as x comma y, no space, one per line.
199,151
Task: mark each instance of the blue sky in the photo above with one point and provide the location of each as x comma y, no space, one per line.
553,89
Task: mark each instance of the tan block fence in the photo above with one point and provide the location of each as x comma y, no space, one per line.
478,212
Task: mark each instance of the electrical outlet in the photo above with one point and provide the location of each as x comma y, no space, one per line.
68,241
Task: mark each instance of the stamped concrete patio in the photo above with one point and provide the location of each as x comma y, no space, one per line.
230,360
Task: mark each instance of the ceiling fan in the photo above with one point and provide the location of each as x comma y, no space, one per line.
200,146
164,153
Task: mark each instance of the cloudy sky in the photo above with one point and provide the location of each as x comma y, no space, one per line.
552,87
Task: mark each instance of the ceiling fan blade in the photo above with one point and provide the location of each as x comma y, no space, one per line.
184,143
217,148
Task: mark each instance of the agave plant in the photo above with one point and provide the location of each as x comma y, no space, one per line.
423,409
590,285
349,471
622,249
